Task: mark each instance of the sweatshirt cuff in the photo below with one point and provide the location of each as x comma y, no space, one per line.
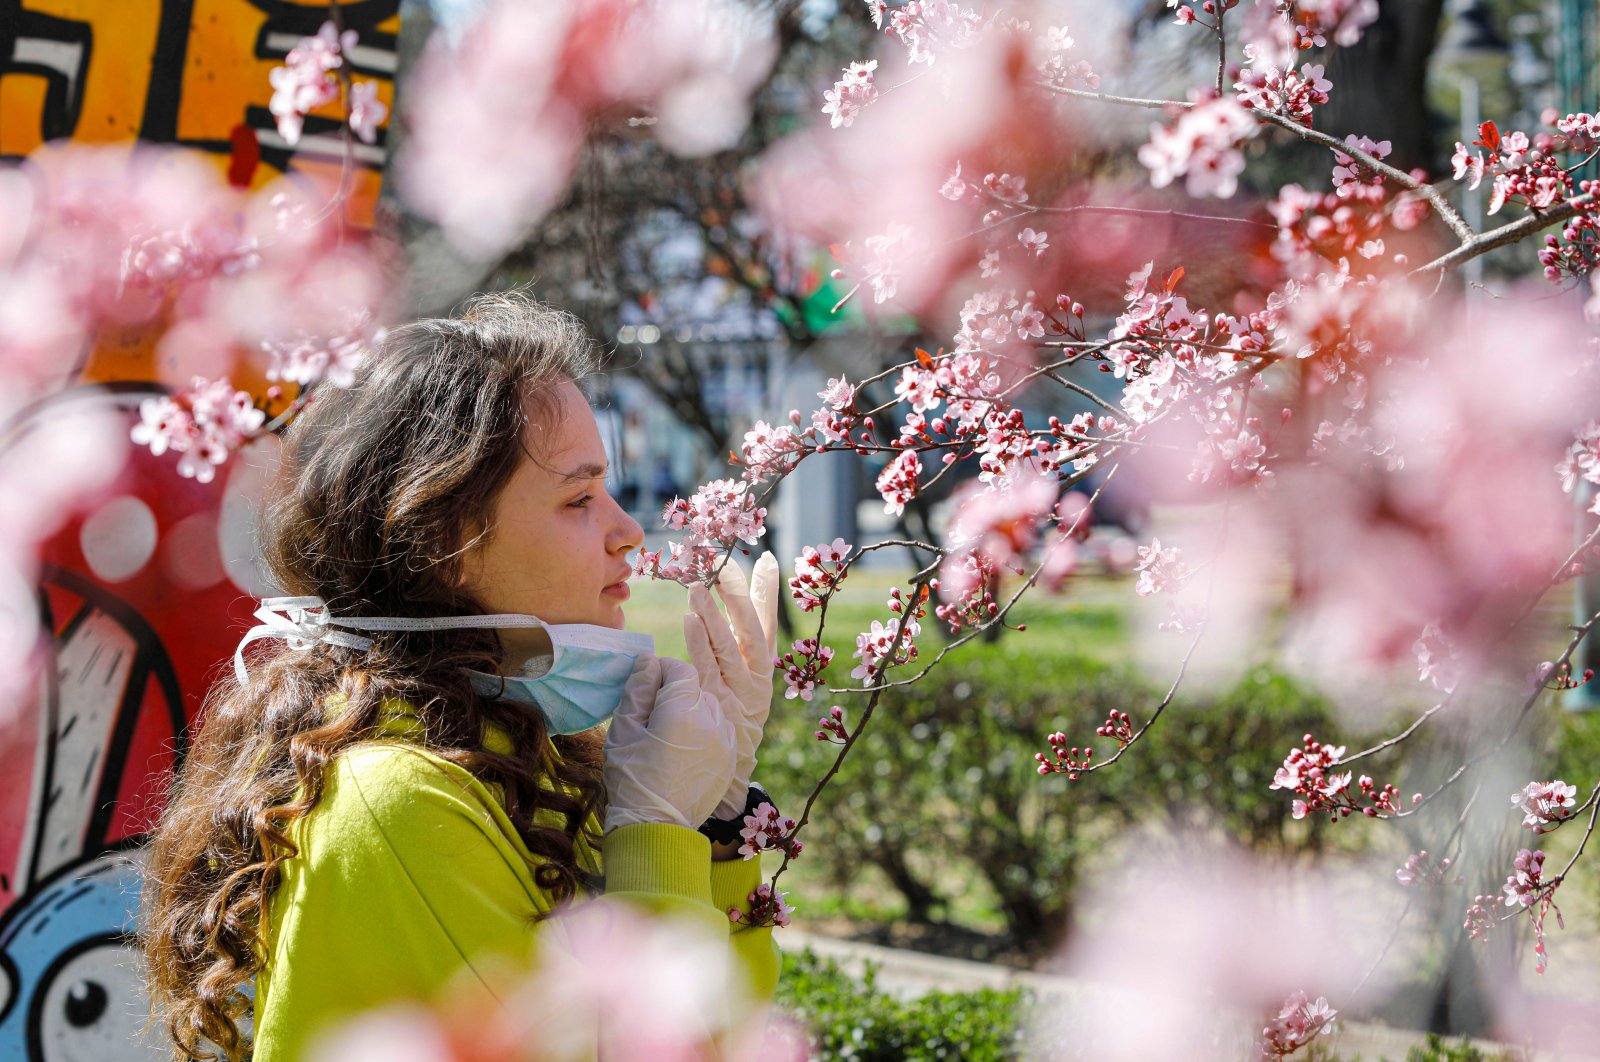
660,858
732,882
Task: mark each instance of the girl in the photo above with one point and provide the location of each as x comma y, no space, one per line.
398,798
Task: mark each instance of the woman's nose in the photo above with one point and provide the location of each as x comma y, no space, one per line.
630,534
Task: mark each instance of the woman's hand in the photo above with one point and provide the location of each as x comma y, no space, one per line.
733,656
670,749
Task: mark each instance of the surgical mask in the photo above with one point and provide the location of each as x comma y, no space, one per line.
579,688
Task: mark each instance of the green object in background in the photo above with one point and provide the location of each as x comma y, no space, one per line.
855,1019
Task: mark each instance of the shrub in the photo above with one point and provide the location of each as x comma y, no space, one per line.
850,1019
942,795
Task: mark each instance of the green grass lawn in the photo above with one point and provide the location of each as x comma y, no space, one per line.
1090,619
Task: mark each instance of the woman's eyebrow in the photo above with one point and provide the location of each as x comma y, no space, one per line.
588,471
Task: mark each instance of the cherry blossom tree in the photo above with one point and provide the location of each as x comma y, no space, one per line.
1298,359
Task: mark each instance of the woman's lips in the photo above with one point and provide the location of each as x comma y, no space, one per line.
618,589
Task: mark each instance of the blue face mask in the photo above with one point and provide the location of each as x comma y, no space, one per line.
582,683
579,689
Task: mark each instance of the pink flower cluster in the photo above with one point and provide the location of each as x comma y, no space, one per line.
1307,772
1522,171
850,94
204,424
1296,1025
1482,917
872,647
1315,22
818,571
1117,726
1545,805
1055,68
898,481
1008,188
1202,145
1064,760
1582,459
306,81
1316,227
802,668
770,451
1348,173
833,728
1264,86
927,27
1527,888
306,360
1160,570
766,830
716,517
967,583
1421,869
765,909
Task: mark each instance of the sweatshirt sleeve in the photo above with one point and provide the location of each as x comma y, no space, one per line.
669,868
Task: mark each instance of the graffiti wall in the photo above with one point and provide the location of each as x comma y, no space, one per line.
147,595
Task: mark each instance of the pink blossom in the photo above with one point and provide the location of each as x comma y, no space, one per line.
817,573
770,451
764,908
872,648
1437,659
766,829
1582,459
1007,186
1349,171
954,188
204,425
898,482
1467,164
720,514
802,667
1545,805
1160,570
850,93
306,81
1296,1025
1525,882
367,112
1033,240
1202,144
889,251
1265,86
1421,869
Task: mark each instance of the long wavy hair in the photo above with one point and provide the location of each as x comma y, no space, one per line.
382,488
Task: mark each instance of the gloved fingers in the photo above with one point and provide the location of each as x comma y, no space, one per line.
678,674
701,654
638,700
729,660
764,597
747,629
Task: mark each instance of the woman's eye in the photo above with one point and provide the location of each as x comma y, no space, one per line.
580,503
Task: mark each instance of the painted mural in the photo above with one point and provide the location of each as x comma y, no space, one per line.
147,594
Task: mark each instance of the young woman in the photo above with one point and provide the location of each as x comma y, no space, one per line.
409,780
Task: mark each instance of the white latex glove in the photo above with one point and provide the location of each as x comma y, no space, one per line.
670,749
733,656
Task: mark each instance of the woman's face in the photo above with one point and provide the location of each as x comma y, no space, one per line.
558,543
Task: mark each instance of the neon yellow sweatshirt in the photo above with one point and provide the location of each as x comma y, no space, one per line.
410,876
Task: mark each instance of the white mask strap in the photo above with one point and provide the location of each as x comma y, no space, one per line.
304,621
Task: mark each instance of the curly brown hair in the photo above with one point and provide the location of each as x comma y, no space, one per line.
383,486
